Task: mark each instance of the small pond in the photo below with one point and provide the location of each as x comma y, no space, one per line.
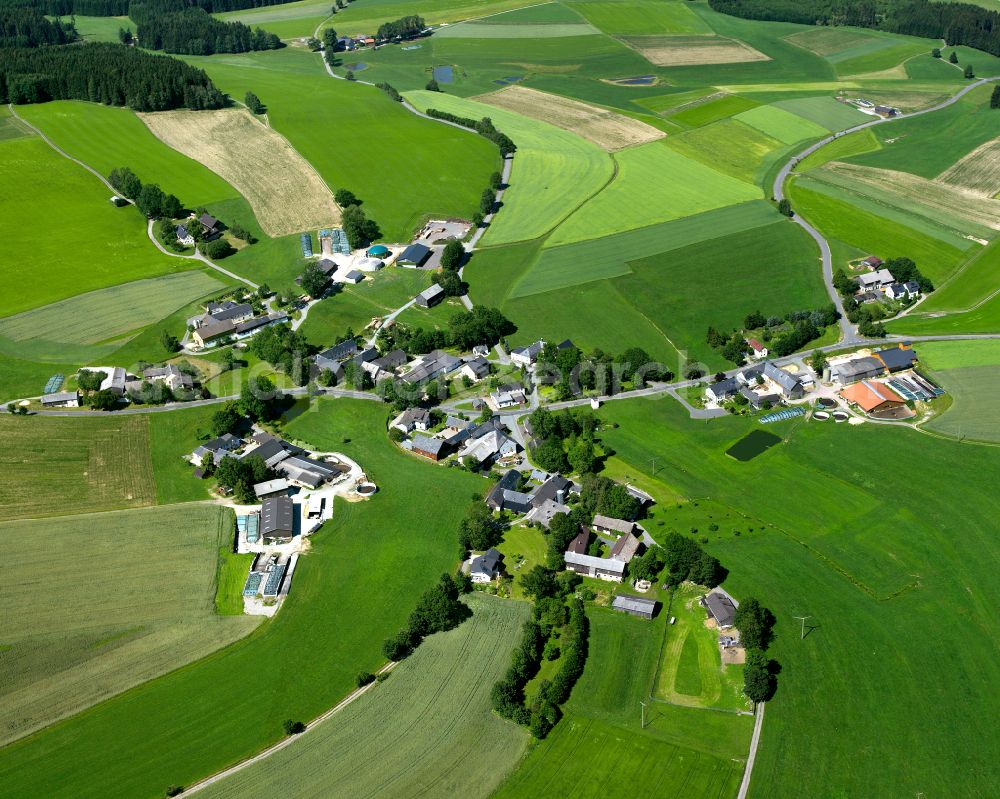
444,74
752,445
360,66
638,80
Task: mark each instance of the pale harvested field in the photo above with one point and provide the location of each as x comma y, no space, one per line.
948,199
683,51
606,129
978,172
286,193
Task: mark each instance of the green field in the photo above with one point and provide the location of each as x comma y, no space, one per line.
640,17
731,147
20,378
824,111
494,30
632,200
703,113
786,127
89,244
101,29
974,284
311,651
430,725
553,172
105,138
100,603
90,326
413,169
77,465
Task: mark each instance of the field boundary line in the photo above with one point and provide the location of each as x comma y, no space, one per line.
290,739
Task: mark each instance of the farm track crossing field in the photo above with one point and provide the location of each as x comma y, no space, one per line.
106,137
684,187
553,169
10,126
109,245
286,193
978,172
430,727
686,51
608,130
82,465
102,602
196,720
87,319
975,283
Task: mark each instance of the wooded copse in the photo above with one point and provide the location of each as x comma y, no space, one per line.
175,27
104,73
120,8
403,28
956,23
28,27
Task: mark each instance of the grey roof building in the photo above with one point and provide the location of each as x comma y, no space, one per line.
590,566
216,449
625,548
897,358
723,390
486,567
430,296
434,364
509,482
721,606
857,369
277,519
634,605
555,489
789,385
414,255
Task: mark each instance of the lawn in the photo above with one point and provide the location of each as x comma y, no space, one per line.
101,603
841,149
172,437
230,577
199,719
20,378
81,464
632,201
554,171
824,111
430,726
95,244
414,168
523,548
975,283
101,29
842,544
703,113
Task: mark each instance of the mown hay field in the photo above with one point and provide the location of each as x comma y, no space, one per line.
978,172
782,125
686,51
681,187
827,42
640,17
729,146
607,129
286,192
56,465
483,30
101,602
554,170
429,727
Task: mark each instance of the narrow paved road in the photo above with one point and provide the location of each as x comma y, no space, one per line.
754,743
196,257
849,333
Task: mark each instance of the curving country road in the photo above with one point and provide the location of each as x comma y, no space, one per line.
849,333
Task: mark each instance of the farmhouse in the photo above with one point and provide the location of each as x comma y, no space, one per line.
857,369
625,548
634,605
170,375
759,350
209,224
608,524
61,399
578,545
493,446
277,520
505,495
590,566
251,326
486,567
476,368
758,400
555,489
215,450
721,607
896,359
723,390
329,360
213,332
876,399
414,255
433,448
527,356
184,236
544,512
434,364
508,397
788,384
875,279
430,296
226,311
272,450
114,380
391,361
411,419
307,472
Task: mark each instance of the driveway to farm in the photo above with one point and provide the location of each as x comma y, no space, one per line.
754,742
197,257
849,334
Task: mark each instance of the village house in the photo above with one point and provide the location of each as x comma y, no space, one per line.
486,567
505,496
625,548
527,356
215,450
788,384
435,364
721,607
227,310
209,224
433,448
757,350
902,291
507,397
591,566
875,279
610,525
476,368
412,419
757,400
331,359
115,378
555,489
722,390
213,332
543,512
579,545
492,446
184,236
170,375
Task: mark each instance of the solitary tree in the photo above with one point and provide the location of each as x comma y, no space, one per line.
293,727
349,75
432,86
995,97
253,103
785,207
953,57
453,255
169,341
345,197
969,72
936,52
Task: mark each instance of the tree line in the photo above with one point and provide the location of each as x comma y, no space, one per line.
104,73
484,127
782,334
403,28
176,27
120,8
956,23
28,27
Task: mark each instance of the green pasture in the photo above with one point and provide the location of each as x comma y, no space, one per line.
492,272
870,59
172,437
973,284
106,137
101,29
704,113
412,170
780,124
494,30
983,318
365,17
91,244
825,112
684,187
81,465
609,256
640,17
974,412
830,42
10,126
430,724
730,147
77,326
230,577
287,20
523,548
554,170
195,721
21,378
101,603
946,356
873,567
678,100
841,149
538,14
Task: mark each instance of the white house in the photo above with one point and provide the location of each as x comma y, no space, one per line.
527,356
875,280
486,567
412,419
757,350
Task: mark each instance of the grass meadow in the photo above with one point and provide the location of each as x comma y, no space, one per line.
100,603
830,539
554,170
197,720
94,244
429,726
640,17
973,285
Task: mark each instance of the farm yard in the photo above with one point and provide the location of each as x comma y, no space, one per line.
429,725
102,602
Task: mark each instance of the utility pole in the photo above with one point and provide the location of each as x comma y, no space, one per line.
654,467
642,723
803,620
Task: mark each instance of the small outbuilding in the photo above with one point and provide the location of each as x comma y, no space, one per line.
415,255
634,605
430,296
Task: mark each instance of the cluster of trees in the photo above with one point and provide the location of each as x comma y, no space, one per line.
956,23
451,261
402,28
28,27
90,384
438,609
240,475
285,349
389,89
359,229
608,498
120,8
252,101
104,73
479,530
313,280
176,27
572,372
684,559
566,440
466,329
798,328
149,198
484,127
259,399
756,623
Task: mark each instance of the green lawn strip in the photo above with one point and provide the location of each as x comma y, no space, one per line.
824,111
479,30
984,319
538,14
704,113
20,378
523,548
975,282
633,201
199,719
101,29
109,244
492,272
554,170
873,233
688,678
841,149
858,62
361,18
435,318
681,100
975,410
230,577
149,579
432,169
